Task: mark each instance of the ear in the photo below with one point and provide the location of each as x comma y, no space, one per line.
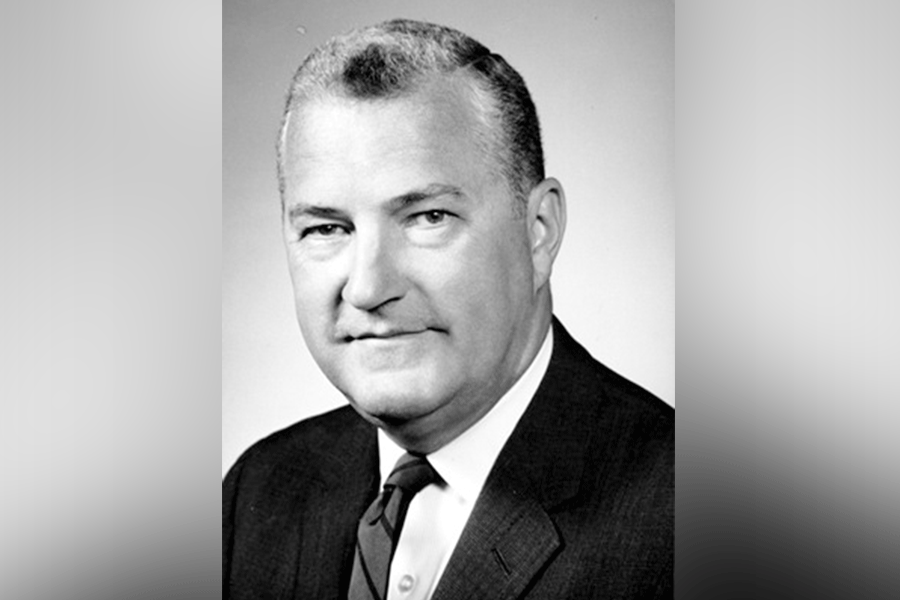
546,224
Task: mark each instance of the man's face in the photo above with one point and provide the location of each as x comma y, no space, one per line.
412,272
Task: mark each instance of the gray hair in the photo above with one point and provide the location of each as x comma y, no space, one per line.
388,60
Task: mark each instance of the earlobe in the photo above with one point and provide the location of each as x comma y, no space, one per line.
547,221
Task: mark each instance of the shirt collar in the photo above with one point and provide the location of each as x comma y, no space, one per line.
465,462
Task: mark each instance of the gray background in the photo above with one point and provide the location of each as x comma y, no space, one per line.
601,76
788,334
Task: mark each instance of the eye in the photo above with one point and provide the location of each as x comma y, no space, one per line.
430,217
325,230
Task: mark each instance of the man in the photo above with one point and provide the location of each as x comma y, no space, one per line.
421,233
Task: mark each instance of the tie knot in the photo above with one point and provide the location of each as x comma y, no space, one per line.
412,473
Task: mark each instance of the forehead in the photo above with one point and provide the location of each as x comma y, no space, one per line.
437,128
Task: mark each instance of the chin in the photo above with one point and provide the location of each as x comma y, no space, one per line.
393,403
389,389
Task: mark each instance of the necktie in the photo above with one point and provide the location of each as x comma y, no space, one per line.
379,528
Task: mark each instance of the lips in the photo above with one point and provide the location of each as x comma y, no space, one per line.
384,333
387,335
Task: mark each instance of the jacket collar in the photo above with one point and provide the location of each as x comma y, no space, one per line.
510,535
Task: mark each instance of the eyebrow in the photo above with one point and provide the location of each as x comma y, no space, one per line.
309,210
400,202
433,190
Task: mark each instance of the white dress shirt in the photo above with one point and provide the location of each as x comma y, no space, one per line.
437,514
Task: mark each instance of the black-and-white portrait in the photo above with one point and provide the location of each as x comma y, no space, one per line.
448,301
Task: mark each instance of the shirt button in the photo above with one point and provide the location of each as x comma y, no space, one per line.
406,583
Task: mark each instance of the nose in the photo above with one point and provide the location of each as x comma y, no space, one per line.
373,277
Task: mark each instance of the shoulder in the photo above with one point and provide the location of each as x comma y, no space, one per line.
627,436
296,451
626,432
591,382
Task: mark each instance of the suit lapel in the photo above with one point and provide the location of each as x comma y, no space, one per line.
490,560
330,519
510,535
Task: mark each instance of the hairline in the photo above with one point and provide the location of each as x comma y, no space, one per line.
490,135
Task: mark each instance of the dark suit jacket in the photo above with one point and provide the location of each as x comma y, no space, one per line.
578,505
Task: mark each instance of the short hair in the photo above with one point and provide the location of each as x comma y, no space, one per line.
390,59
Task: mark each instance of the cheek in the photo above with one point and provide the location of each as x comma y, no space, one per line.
499,269
484,287
314,291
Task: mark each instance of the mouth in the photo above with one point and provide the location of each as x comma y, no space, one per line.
388,334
